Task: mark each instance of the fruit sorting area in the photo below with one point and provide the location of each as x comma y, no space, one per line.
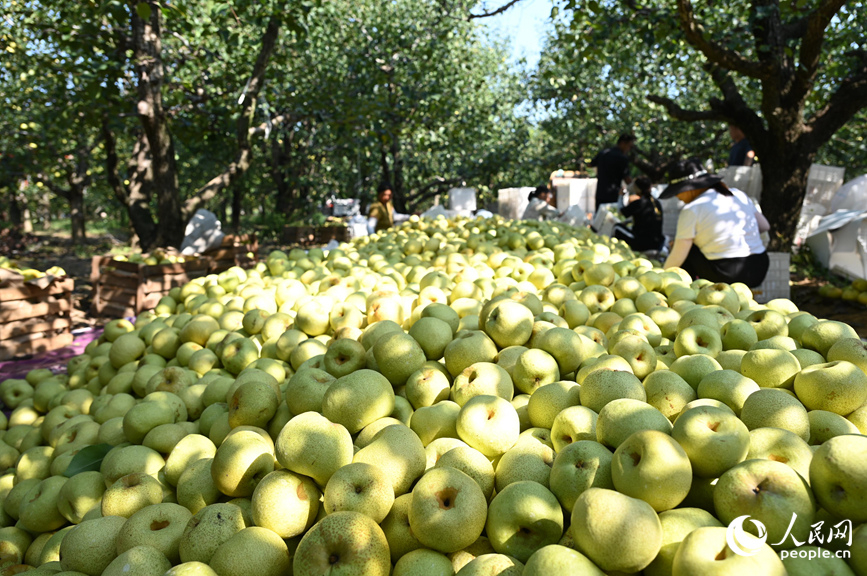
467,396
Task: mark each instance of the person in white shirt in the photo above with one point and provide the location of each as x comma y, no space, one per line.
539,207
718,231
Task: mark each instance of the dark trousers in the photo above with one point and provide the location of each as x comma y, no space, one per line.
637,243
750,270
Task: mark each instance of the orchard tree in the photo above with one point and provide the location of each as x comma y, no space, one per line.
790,74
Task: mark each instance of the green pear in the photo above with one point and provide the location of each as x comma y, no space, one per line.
822,335
839,387
729,387
825,425
522,518
668,392
343,357
207,530
777,409
549,400
344,543
579,466
399,454
196,488
358,399
489,424
557,559
620,418
481,378
528,460
395,526
139,561
466,349
360,487
771,493
602,386
781,446
715,440
652,466
398,355
81,493
160,526
423,562
312,445
500,564
285,503
253,550
437,421
190,449
448,510
306,389
770,368
705,551
677,524
91,546
191,569
573,424
509,324
694,367
241,461
38,511
427,386
615,531
472,463
568,348
836,476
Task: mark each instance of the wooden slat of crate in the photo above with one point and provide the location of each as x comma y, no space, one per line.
22,309
18,328
325,234
29,291
40,343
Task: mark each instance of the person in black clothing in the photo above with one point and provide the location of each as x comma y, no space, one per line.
612,166
646,212
741,153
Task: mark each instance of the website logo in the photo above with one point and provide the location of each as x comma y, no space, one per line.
743,543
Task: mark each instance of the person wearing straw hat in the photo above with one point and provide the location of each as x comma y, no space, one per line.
718,231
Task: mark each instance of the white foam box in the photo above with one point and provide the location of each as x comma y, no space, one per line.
575,192
511,202
823,183
776,283
462,199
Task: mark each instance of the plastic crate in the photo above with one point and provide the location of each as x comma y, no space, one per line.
823,183
776,283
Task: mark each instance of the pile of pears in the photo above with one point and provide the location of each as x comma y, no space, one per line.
30,273
856,291
445,397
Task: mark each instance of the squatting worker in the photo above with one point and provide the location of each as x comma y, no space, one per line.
540,207
718,229
612,167
381,214
646,212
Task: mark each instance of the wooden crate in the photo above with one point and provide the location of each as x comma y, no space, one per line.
124,289
325,234
233,252
35,319
299,235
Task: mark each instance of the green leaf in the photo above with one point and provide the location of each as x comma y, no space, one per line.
144,10
87,460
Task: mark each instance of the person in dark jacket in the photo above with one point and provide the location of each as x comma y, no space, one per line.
612,167
646,213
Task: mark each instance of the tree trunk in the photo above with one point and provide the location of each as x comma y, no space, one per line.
136,197
784,182
15,212
77,215
237,198
147,53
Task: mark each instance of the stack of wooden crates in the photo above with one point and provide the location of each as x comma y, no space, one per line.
35,317
241,250
124,289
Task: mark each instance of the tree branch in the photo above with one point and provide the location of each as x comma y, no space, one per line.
811,47
248,107
848,100
490,13
679,113
715,53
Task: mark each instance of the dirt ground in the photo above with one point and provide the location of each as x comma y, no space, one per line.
43,251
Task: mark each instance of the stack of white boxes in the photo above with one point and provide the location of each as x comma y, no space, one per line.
462,201
511,202
575,192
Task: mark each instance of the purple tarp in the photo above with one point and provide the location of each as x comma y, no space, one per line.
54,360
